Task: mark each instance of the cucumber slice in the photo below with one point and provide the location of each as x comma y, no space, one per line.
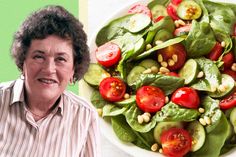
233,118
228,83
95,74
158,10
189,71
189,10
198,134
162,35
138,22
148,63
162,126
131,100
134,74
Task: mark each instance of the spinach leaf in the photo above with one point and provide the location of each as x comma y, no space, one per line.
200,39
167,83
112,110
173,112
222,17
212,111
122,130
112,30
212,76
144,140
97,100
131,117
214,140
160,46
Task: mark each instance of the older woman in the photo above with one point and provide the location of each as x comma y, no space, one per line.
37,116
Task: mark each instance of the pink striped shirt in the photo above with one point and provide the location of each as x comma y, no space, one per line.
70,130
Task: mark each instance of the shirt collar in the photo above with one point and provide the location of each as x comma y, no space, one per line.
18,95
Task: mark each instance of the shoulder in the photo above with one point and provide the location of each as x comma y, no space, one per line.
78,102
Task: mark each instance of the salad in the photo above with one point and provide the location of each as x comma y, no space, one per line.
165,77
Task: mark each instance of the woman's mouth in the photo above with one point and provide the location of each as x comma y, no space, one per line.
47,81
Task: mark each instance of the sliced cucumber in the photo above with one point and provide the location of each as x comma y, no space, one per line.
189,71
198,134
128,101
162,35
148,63
158,10
189,10
95,74
162,126
134,74
233,118
138,22
228,84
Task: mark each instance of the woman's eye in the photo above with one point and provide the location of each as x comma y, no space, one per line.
38,57
61,59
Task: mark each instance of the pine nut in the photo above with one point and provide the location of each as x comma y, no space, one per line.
99,110
160,150
223,44
176,23
201,110
126,96
147,114
233,67
181,22
164,64
202,121
207,120
160,58
140,119
146,118
171,62
154,69
164,70
175,58
148,46
166,99
154,147
147,71
200,74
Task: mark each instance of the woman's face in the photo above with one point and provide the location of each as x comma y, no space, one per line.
48,67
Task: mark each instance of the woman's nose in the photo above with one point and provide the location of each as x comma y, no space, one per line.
49,66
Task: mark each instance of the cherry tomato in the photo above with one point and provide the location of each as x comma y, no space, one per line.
186,96
228,102
172,74
150,98
228,60
176,142
173,55
171,10
231,73
182,30
176,2
158,19
140,8
108,54
215,52
112,89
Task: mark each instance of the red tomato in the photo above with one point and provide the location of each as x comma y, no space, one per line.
228,102
176,2
182,30
176,142
108,54
186,96
228,60
231,73
215,52
169,54
234,31
158,19
140,8
150,98
172,74
112,89
171,10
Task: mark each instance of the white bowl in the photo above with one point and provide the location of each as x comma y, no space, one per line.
106,128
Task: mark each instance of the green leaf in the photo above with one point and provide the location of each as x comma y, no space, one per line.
112,110
131,117
97,100
173,112
122,130
167,83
